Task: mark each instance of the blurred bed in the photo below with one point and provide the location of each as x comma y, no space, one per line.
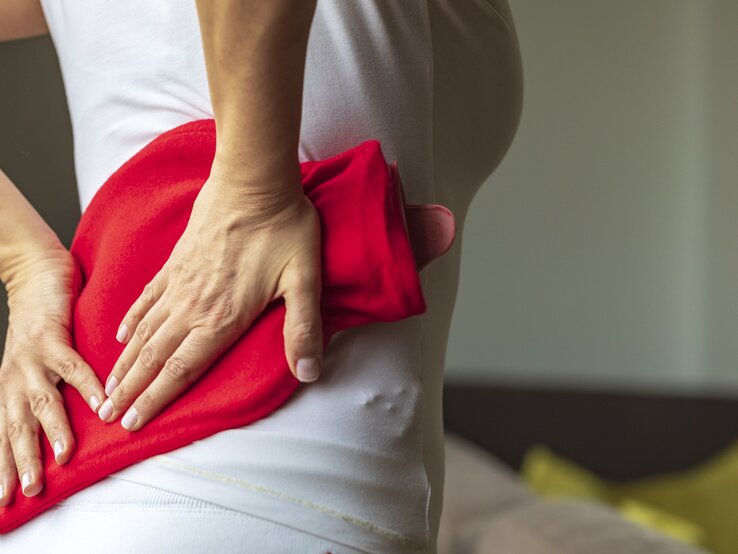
620,436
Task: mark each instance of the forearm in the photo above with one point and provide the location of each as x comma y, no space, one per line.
255,58
21,19
24,235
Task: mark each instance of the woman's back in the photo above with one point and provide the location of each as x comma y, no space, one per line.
359,453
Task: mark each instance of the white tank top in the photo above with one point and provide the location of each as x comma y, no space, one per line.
345,457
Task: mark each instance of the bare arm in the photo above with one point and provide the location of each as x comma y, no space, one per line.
255,56
24,235
21,19
37,272
253,236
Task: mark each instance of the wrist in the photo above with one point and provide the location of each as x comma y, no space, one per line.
256,172
20,261
257,189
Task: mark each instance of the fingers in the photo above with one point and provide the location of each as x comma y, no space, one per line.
30,402
141,333
47,405
143,356
191,359
152,359
8,475
69,365
151,293
303,328
22,429
152,352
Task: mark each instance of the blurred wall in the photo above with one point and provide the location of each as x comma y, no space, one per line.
604,249
721,178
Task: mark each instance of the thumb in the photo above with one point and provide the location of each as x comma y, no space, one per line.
303,326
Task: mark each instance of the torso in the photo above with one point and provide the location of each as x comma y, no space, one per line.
347,452
358,455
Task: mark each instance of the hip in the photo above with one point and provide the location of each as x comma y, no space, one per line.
131,517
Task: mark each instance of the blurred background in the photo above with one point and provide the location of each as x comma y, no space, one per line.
605,246
598,307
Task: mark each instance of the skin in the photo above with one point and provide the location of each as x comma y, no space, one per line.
252,237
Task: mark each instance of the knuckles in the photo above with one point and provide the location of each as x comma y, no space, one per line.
24,461
148,357
148,401
149,294
16,429
177,370
55,429
143,331
120,394
67,368
85,383
40,400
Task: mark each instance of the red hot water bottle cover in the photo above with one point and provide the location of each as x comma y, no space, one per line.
369,274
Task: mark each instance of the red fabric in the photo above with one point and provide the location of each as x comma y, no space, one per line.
125,236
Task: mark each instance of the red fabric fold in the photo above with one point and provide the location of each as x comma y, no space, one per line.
127,233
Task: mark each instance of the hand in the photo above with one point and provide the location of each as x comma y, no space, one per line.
37,356
241,250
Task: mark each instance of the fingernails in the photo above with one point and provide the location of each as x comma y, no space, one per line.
106,410
25,482
28,487
307,369
122,333
130,419
58,448
94,402
111,384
